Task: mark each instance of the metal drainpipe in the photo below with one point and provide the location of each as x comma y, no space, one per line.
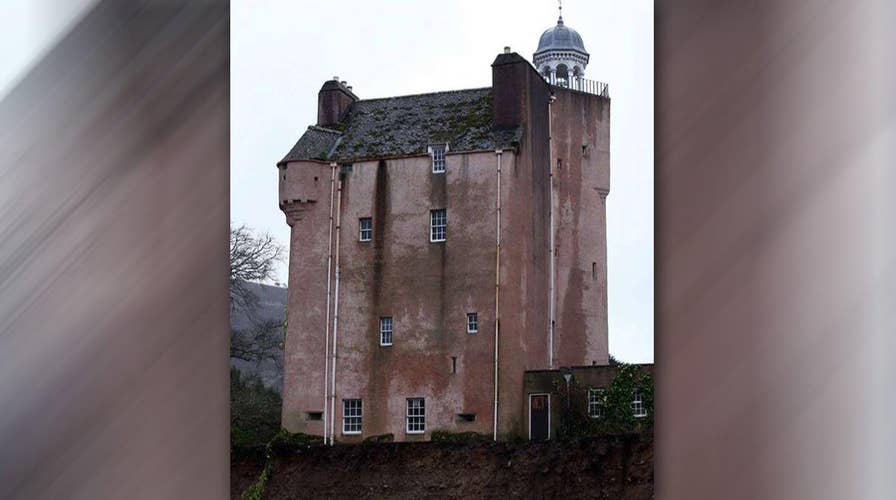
335,315
551,236
327,320
497,291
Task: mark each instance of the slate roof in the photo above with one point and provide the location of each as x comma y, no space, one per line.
315,144
405,126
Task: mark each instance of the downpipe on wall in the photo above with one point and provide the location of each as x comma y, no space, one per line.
499,152
327,320
551,314
335,315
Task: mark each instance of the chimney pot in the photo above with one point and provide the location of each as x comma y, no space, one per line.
336,78
343,82
507,49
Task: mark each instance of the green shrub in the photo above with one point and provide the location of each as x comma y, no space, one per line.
254,411
285,440
441,436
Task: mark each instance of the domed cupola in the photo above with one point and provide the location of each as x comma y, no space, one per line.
561,56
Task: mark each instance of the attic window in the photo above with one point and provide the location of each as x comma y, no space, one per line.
345,168
438,158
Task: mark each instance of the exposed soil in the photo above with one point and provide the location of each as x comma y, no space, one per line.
244,471
618,468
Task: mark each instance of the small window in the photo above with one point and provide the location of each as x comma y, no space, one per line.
314,415
453,364
638,409
438,159
595,408
465,418
386,331
438,225
365,225
345,168
472,322
416,416
351,416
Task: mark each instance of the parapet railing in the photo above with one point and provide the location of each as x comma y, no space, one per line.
581,84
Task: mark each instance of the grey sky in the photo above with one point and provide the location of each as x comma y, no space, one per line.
283,50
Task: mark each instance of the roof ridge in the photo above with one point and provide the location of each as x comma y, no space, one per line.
424,94
323,129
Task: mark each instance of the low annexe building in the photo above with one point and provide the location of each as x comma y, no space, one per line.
544,395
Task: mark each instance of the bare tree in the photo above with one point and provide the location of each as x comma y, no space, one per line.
253,258
262,340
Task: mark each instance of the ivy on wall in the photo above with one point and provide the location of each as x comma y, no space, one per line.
616,416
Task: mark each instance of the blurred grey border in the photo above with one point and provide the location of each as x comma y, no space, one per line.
775,176
114,226
775,147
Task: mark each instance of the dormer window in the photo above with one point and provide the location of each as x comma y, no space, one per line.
437,152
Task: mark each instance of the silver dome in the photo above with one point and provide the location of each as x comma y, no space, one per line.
561,38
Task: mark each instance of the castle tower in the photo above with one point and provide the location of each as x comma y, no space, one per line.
561,56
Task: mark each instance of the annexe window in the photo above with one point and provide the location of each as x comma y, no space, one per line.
638,409
438,158
595,408
416,416
438,225
472,322
365,225
386,331
351,416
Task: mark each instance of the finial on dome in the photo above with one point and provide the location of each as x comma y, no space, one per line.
560,8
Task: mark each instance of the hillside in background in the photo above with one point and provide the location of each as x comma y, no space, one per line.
262,332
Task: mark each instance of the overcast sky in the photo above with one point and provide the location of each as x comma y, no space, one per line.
283,50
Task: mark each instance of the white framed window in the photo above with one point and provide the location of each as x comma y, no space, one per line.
365,229
595,408
438,225
351,416
416,416
438,158
472,322
638,409
386,331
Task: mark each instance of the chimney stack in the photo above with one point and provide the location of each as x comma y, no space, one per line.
511,81
333,102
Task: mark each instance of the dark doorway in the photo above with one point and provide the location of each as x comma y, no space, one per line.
539,417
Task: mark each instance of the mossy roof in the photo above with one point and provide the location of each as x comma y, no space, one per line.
406,126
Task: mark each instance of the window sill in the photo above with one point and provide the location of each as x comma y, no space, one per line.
415,432
358,433
437,241
385,345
